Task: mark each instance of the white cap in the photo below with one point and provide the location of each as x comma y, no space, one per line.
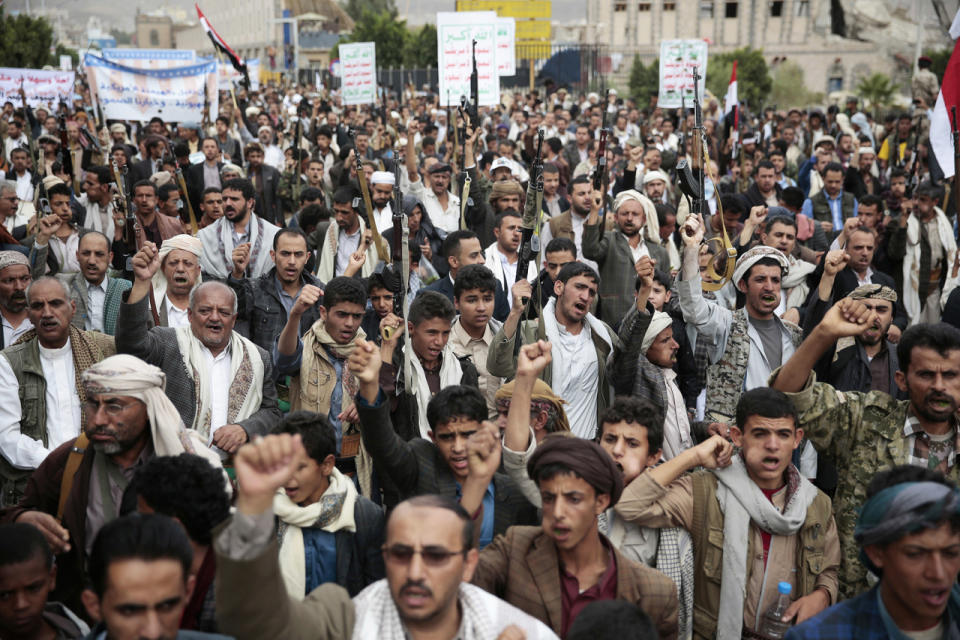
654,174
383,177
501,163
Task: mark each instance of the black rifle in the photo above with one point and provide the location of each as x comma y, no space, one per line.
531,212
473,111
692,185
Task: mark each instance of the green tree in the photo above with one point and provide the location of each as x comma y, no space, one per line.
356,8
753,77
122,37
644,80
788,88
25,42
877,89
421,51
390,34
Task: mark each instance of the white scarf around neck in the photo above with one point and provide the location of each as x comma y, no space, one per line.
743,502
450,374
326,270
337,501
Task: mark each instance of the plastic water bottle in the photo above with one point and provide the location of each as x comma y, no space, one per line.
772,625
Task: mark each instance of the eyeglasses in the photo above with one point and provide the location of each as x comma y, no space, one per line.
432,556
111,407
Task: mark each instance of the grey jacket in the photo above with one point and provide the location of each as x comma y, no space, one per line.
158,346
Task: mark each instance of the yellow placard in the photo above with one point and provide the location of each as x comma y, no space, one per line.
533,30
509,8
538,50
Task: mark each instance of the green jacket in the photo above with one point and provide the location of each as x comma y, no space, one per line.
707,534
863,432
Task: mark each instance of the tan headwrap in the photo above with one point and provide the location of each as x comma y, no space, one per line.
880,291
754,256
12,258
161,178
505,188
541,398
182,241
126,375
652,224
658,323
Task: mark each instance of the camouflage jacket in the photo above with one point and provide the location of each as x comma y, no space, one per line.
864,433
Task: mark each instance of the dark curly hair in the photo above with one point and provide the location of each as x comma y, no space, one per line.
185,487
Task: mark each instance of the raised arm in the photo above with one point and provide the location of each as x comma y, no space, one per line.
133,335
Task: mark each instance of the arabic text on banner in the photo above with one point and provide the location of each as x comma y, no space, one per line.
506,46
678,58
176,95
358,73
43,88
455,32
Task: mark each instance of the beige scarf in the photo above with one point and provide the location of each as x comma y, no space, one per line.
246,379
314,342
331,513
328,255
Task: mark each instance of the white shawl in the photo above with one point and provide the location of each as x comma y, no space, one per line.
220,234
328,254
339,499
450,374
194,361
911,260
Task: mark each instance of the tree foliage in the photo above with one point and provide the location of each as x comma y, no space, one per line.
25,42
390,34
877,90
356,8
788,88
421,49
753,76
644,80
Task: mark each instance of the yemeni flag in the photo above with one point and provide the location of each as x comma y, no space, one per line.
940,130
221,45
731,103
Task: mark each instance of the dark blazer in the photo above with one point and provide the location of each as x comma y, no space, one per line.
141,170
754,198
260,314
416,467
193,176
846,281
158,346
522,568
268,202
501,308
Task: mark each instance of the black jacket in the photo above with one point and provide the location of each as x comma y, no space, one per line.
268,201
260,314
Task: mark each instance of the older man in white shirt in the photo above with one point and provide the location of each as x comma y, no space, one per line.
44,369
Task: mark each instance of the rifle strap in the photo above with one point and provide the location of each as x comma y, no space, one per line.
74,458
718,279
405,279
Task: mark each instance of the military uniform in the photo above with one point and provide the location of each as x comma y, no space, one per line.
924,85
864,433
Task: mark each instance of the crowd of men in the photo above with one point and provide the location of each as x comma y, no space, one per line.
230,409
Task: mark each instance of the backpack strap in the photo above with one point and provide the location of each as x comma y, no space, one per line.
70,471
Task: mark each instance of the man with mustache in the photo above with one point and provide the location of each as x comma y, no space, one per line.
96,296
40,398
619,252
240,241
177,276
865,432
127,421
221,383
15,277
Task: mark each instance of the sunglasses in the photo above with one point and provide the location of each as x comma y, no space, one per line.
432,556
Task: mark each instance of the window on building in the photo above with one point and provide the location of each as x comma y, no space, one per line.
619,6
803,8
776,9
154,38
669,6
730,10
643,6
835,83
706,9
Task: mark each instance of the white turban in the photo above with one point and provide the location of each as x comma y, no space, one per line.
126,375
11,258
181,241
655,174
754,256
161,178
658,323
383,177
652,224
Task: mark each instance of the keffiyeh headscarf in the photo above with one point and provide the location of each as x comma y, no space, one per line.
755,255
182,241
651,225
12,258
542,398
658,323
880,291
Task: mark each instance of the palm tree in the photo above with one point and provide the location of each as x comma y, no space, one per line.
877,89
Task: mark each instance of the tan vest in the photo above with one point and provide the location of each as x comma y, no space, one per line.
707,534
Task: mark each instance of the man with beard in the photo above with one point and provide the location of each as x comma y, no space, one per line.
619,251
127,421
570,223
869,362
265,303
865,432
381,192
97,200
40,400
441,205
221,383
266,183
97,297
15,277
240,241
347,245
155,227
503,256
585,343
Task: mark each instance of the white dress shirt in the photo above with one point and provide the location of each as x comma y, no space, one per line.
447,219
638,251
175,317
63,409
24,185
383,218
347,244
66,252
219,368
11,333
576,377
96,296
